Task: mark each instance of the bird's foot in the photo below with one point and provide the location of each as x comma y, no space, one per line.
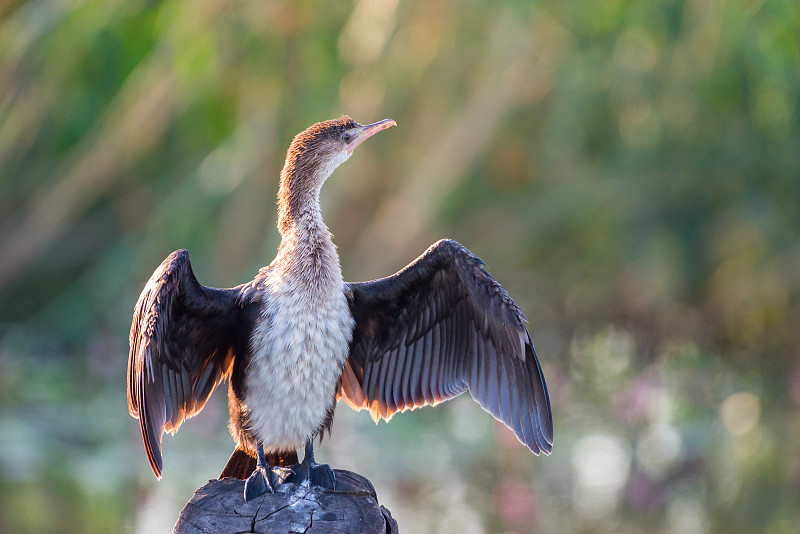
320,475
264,479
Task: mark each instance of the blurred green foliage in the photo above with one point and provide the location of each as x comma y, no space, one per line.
630,169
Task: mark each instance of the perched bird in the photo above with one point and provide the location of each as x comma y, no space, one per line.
298,337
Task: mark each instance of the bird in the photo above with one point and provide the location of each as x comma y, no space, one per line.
297,338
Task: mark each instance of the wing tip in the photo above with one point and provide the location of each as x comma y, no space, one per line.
546,446
156,472
540,444
156,462
152,441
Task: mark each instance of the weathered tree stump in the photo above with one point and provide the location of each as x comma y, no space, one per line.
219,507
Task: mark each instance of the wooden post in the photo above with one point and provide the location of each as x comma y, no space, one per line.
219,507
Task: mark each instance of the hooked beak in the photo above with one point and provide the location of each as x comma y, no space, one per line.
368,131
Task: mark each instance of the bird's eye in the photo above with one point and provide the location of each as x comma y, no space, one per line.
347,138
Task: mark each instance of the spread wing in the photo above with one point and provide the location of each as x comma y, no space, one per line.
437,328
182,345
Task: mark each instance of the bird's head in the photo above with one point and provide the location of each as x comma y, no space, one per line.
313,156
318,150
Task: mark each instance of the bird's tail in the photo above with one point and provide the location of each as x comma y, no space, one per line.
241,465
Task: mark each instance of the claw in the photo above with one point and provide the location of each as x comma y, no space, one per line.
278,475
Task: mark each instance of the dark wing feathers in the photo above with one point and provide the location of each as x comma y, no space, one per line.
441,326
182,340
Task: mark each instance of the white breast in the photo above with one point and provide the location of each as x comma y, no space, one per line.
298,351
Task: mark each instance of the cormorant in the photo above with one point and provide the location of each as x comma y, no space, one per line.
298,337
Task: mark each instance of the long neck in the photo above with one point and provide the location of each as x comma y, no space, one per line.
298,204
306,250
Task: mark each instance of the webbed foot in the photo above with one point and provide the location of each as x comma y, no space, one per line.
264,478
320,475
257,484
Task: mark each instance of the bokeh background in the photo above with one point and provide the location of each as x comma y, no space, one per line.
629,169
